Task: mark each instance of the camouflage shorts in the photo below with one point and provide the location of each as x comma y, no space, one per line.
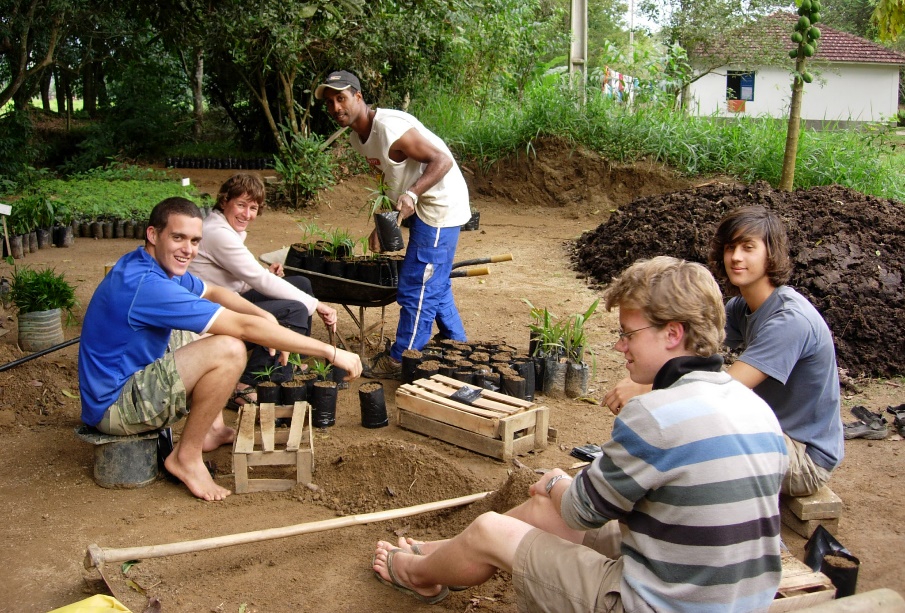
153,398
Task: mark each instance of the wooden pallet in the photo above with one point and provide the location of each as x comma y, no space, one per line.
495,424
800,586
259,446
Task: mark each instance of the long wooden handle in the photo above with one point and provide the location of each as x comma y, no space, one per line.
471,272
96,556
505,257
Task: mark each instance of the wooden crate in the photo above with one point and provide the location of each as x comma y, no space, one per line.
495,425
800,586
268,446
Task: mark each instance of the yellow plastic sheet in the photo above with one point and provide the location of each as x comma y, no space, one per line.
99,603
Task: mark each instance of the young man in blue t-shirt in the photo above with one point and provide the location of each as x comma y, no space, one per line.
131,383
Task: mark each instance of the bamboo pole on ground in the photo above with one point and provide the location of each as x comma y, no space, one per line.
96,556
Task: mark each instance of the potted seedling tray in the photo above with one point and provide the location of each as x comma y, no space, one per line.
347,291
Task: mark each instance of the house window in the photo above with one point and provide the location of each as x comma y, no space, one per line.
740,85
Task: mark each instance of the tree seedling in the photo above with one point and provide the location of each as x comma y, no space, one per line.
321,369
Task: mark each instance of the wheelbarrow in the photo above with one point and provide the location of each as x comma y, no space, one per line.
351,293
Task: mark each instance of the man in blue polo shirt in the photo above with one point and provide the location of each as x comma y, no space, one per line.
136,370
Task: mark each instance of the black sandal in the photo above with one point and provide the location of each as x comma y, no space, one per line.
244,395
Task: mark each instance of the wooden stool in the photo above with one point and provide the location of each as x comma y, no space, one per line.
257,447
804,513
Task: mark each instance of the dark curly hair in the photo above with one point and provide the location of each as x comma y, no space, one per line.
747,223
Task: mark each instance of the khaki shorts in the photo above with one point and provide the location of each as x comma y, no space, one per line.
153,398
804,476
552,574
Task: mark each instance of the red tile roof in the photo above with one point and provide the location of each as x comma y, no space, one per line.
833,46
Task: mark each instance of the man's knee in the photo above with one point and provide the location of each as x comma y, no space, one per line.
224,349
484,530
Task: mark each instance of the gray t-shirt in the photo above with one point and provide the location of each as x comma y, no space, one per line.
788,340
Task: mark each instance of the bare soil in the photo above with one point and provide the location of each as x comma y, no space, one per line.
533,207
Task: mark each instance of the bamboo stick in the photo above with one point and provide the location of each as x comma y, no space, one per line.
97,556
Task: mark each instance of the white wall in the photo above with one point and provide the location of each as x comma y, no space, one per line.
844,92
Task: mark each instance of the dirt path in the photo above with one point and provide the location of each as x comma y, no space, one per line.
54,510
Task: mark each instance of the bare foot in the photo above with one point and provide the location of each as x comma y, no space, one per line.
400,563
217,437
195,476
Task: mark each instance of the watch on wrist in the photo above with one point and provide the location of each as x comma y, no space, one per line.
552,482
412,195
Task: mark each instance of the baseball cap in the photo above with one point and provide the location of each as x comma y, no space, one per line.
339,81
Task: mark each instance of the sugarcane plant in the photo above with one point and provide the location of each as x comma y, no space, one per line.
574,340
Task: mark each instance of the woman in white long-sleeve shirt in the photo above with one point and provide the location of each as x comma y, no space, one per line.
224,260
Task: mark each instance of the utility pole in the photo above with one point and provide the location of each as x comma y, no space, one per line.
578,53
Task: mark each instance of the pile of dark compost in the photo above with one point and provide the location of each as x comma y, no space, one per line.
846,248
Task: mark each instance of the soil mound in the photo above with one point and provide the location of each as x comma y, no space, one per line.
846,248
384,474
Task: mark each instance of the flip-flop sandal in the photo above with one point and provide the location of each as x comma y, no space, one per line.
416,549
394,582
242,394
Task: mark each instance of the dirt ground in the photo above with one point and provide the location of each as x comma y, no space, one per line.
533,208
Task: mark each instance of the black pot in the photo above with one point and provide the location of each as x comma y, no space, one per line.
16,248
842,570
473,223
426,369
513,386
465,376
334,268
369,272
268,392
66,237
525,369
389,276
293,391
294,255
388,232
323,404
45,238
411,358
373,405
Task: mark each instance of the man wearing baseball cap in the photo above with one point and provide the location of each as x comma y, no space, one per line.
426,184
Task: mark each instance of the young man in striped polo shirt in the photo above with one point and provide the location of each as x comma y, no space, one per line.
680,513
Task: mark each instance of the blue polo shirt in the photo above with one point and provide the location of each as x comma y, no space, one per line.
128,323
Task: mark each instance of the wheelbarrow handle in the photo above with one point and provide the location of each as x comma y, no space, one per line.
471,272
506,257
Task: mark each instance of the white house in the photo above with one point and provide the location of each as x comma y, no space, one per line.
855,80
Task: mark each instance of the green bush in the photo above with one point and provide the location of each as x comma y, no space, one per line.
32,291
305,167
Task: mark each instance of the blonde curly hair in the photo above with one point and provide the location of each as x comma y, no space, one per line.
668,289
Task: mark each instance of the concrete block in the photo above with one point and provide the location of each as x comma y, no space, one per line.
823,504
